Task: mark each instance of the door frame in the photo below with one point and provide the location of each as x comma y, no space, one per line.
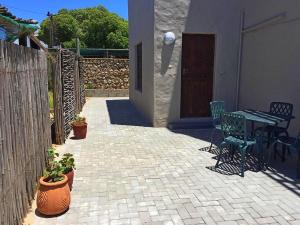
214,71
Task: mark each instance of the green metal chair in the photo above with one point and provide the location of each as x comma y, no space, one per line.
217,108
289,143
234,129
280,109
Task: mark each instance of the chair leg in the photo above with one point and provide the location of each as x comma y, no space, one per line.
251,149
269,140
298,164
275,150
283,153
252,129
220,154
260,150
270,153
288,149
286,133
232,152
243,155
211,139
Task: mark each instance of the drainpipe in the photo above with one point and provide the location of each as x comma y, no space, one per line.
267,22
240,54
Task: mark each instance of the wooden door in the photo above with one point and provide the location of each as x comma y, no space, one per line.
197,74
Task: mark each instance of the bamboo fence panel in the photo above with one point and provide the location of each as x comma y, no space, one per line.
58,98
24,128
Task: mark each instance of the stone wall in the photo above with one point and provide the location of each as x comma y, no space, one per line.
105,74
106,93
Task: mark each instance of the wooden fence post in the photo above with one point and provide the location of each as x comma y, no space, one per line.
58,99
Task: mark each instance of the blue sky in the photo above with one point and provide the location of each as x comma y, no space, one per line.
37,9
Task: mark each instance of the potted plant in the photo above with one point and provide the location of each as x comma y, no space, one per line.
68,166
79,126
53,195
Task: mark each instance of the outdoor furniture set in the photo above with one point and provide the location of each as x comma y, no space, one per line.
272,131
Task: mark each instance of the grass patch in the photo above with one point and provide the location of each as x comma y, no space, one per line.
51,101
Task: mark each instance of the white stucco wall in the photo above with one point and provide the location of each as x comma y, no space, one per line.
141,30
271,57
218,17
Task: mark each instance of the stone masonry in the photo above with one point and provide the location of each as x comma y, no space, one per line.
105,73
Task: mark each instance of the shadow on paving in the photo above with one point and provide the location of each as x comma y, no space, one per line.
282,172
123,112
204,135
232,167
285,172
37,213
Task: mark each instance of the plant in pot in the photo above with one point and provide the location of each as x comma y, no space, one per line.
79,126
53,195
68,166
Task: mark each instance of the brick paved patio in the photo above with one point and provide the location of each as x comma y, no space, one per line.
131,173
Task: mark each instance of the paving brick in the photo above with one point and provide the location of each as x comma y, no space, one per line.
130,173
228,223
265,220
295,222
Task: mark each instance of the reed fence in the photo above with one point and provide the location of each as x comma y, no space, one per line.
24,128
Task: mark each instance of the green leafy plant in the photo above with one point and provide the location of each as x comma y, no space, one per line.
52,155
90,86
67,163
54,171
78,120
51,100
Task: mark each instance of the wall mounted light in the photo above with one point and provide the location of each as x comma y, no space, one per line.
169,38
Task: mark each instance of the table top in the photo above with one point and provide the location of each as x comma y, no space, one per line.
261,117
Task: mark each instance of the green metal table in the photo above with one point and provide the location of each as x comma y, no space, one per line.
261,117
264,119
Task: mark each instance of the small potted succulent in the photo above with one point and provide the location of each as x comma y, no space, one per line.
79,126
68,166
53,195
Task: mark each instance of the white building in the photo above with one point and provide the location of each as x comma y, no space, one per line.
245,52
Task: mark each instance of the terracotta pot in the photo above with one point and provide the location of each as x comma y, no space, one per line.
53,198
70,176
80,130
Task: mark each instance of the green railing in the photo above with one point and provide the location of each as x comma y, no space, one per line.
103,53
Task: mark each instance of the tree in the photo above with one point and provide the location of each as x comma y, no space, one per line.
95,27
65,28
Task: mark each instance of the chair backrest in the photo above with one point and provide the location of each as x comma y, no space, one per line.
282,109
233,124
217,108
